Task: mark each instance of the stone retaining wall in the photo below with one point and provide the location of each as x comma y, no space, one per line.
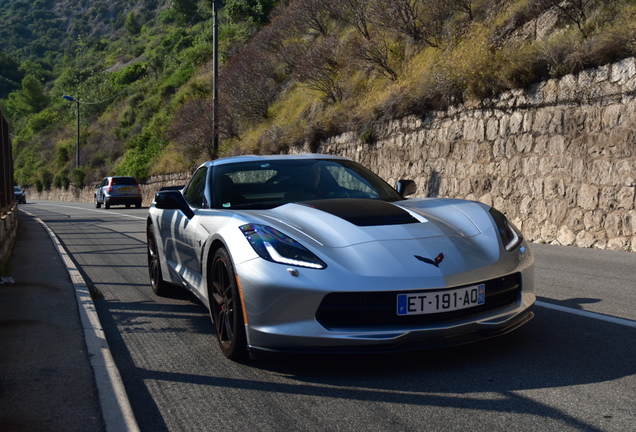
559,159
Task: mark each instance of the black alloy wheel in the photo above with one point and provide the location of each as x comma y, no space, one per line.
225,307
159,286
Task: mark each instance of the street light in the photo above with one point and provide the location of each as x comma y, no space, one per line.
215,80
77,152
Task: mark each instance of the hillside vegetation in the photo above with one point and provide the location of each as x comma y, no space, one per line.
292,72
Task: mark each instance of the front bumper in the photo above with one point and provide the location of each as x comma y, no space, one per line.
413,341
281,311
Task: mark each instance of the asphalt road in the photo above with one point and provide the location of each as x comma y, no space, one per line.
573,368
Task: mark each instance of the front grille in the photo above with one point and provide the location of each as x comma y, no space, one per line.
378,309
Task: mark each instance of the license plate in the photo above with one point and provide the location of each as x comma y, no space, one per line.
441,301
125,189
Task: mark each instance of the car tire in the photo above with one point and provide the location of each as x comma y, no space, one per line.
159,286
138,205
106,204
97,203
225,306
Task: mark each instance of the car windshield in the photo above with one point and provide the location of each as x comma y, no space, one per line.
17,189
268,184
124,181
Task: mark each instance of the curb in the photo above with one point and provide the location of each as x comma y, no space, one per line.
116,410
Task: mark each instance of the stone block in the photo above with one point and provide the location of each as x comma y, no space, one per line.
623,70
584,239
588,197
566,236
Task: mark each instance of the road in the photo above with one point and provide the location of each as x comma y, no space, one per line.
572,368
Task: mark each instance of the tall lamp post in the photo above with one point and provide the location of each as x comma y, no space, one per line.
77,151
215,80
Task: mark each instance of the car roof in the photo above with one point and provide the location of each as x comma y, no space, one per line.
270,158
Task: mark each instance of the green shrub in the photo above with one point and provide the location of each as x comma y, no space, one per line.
43,120
64,154
131,73
61,181
79,175
47,179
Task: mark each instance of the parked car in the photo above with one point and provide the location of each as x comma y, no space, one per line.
118,190
311,253
20,196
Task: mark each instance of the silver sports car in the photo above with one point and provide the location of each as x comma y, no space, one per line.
315,253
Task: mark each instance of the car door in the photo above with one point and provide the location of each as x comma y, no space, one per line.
186,241
99,193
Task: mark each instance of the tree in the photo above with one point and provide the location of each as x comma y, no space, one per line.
465,6
321,69
248,85
355,13
193,131
10,75
30,99
377,55
284,40
186,8
256,11
131,25
314,14
421,20
576,11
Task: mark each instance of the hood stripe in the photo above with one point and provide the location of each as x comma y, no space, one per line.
363,212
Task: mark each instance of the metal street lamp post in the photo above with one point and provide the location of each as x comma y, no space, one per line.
215,80
77,151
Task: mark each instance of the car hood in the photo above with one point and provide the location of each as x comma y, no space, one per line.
446,241
345,222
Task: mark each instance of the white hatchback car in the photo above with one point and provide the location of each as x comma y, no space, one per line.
118,190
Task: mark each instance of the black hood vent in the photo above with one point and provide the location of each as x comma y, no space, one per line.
364,212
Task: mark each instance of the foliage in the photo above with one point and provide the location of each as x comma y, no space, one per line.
43,120
10,75
141,149
186,8
131,73
78,177
30,99
256,11
131,25
61,181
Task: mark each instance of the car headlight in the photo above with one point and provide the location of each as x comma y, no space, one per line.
510,236
273,245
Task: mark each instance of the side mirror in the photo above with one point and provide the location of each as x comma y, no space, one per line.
96,186
173,200
406,187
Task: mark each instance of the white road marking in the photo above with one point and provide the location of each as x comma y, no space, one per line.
93,210
587,314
